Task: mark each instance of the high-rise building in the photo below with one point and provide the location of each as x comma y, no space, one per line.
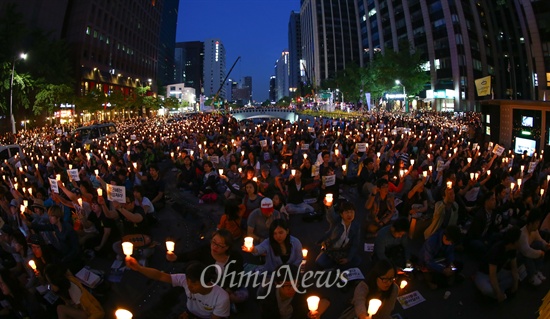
188,58
273,89
294,49
462,41
283,75
247,83
214,67
113,45
330,37
167,41
229,90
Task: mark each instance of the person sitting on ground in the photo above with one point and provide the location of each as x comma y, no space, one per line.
260,220
380,284
17,302
493,278
220,253
342,242
280,248
153,187
380,207
296,192
79,303
533,247
232,218
437,257
283,301
483,233
266,182
445,213
392,243
203,302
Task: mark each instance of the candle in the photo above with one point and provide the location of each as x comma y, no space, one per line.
430,168
541,191
449,184
26,203
220,171
403,284
255,179
304,253
284,166
123,314
519,182
22,208
70,166
248,242
79,202
344,167
412,162
425,174
58,177
171,154
96,171
32,264
471,175
489,172
99,192
374,305
30,191
170,245
329,198
240,170
512,185
469,159
127,248
476,175
313,303
242,153
292,172
305,155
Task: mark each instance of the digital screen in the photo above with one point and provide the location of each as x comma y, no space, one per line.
524,144
487,130
527,121
488,119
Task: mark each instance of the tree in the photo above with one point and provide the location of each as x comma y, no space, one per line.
51,94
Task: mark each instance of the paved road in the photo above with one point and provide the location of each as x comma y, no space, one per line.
187,221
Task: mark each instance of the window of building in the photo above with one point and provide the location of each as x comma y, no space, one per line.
88,30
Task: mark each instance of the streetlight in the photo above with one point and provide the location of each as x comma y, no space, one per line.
404,95
22,56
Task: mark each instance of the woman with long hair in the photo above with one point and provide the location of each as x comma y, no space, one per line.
280,248
379,284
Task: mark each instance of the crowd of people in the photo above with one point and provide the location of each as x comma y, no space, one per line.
432,177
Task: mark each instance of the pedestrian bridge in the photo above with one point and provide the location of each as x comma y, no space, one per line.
271,112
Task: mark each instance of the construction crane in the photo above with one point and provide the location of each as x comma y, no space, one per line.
223,82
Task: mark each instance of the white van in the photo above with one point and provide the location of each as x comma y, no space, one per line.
8,153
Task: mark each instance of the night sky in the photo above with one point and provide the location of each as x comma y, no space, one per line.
255,30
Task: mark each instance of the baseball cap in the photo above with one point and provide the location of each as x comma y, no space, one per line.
266,206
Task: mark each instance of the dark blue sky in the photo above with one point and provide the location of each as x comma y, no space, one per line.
255,30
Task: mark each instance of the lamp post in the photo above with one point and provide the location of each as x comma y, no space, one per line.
404,95
12,120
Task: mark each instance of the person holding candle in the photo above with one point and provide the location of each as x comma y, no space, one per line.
284,302
296,192
342,242
380,207
280,248
392,243
379,284
445,213
203,302
482,233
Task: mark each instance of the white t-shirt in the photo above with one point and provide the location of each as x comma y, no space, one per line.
146,202
203,306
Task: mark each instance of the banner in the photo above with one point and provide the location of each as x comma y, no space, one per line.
367,99
361,147
483,86
116,193
329,180
411,299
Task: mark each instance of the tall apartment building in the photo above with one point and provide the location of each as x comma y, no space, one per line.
330,37
294,49
189,63
282,72
464,40
214,67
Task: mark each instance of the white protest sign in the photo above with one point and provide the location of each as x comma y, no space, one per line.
498,150
73,173
361,147
532,167
329,180
116,193
411,299
305,147
474,146
263,143
53,185
214,159
310,129
354,274
369,247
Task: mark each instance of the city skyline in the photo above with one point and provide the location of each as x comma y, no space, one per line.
255,30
